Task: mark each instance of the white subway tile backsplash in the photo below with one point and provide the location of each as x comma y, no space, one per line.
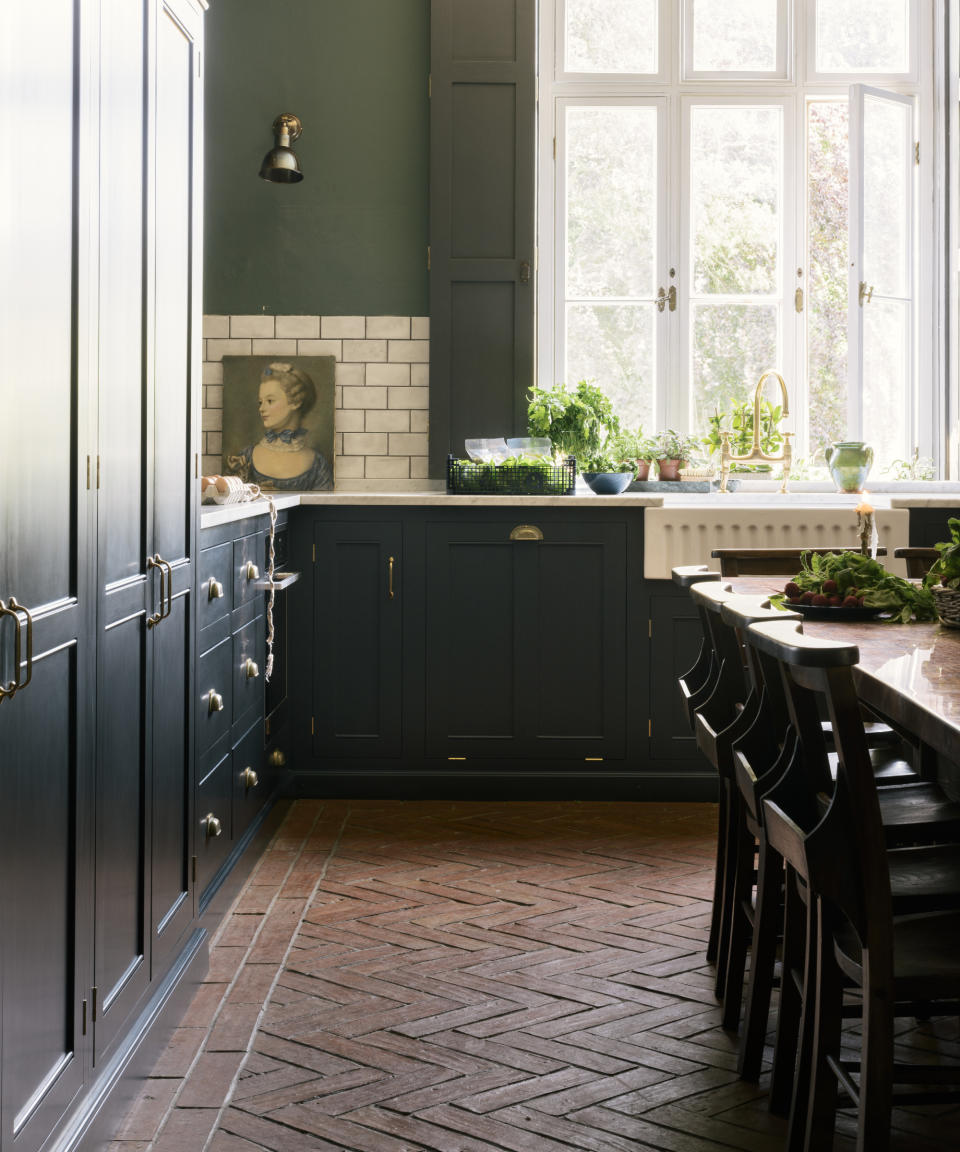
381,388
388,420
217,349
343,327
388,327
298,327
409,351
365,444
259,326
274,347
387,468
389,375
369,351
364,398
216,327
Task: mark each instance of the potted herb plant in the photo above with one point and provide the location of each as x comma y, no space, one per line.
578,422
610,471
639,449
943,579
672,450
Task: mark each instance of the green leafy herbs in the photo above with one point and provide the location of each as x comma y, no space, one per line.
578,423
738,421
945,570
850,580
517,474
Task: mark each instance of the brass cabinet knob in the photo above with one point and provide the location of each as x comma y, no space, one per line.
251,669
277,758
211,825
252,572
250,779
215,702
214,589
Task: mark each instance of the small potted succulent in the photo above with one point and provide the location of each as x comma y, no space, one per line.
673,449
943,579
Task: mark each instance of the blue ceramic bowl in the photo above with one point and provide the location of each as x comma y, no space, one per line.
608,483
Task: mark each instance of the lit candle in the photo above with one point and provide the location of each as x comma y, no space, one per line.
867,528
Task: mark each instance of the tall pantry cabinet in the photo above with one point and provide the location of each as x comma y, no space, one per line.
100,106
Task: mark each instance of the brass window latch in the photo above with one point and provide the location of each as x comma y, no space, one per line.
866,294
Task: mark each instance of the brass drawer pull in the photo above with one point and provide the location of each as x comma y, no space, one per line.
250,779
215,702
251,669
526,532
211,826
214,589
251,571
390,577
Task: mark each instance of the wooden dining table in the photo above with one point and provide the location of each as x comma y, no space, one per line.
908,672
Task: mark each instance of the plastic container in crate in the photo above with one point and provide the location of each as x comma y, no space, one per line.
472,478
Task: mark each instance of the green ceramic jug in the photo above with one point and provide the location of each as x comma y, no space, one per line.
849,462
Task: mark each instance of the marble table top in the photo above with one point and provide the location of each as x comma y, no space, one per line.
909,672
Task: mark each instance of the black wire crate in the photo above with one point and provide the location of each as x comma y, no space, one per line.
474,478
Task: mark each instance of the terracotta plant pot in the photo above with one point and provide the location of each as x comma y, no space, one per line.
668,469
643,469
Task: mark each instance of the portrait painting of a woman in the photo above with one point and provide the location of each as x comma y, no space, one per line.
286,457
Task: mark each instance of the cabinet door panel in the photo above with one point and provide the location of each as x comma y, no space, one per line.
573,654
358,682
42,1066
472,608
675,642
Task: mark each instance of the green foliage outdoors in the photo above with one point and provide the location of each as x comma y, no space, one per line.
738,421
945,570
850,574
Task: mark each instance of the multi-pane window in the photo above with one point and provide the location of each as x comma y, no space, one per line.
727,195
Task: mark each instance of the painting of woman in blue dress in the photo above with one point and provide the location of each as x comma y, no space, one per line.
285,458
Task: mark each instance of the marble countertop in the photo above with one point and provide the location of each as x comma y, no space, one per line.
213,514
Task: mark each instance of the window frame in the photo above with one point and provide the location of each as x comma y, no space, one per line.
935,287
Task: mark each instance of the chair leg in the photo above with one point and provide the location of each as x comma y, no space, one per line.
763,959
798,1092
719,876
876,1070
827,1008
786,1045
740,928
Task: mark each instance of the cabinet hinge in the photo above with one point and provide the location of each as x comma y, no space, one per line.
83,1018
311,726
88,473
266,726
916,152
650,727
93,1004
98,473
650,629
314,553
536,89
193,869
554,147
196,465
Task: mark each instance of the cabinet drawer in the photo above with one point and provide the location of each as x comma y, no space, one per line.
251,781
247,568
214,693
248,667
215,585
214,828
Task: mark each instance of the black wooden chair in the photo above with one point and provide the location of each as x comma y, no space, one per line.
858,914
919,560
699,677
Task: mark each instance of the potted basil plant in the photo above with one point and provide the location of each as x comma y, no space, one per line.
673,449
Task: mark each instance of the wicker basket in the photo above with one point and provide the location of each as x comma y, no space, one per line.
947,601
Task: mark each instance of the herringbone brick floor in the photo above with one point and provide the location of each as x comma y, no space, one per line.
472,977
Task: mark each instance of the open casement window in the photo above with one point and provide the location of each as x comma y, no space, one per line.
882,280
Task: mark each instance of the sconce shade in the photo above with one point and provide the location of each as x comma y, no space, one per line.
280,165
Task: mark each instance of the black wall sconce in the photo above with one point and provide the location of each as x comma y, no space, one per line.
280,165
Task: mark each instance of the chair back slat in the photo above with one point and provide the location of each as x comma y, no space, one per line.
766,561
919,560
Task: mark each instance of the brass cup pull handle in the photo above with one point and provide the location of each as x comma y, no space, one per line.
526,532
250,779
251,571
211,826
390,563
214,589
154,561
214,702
250,669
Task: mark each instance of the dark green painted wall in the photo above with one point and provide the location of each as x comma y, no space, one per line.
350,238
